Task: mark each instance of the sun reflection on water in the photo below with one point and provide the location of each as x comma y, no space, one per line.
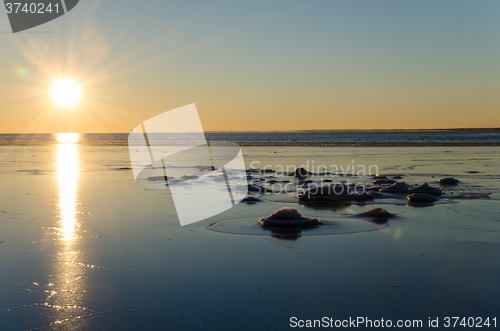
65,293
67,177
67,138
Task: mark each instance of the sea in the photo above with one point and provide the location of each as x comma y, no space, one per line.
85,245
489,137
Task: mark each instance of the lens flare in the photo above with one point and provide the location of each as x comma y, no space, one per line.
22,72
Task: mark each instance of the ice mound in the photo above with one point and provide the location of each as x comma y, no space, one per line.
189,176
286,213
448,181
421,198
384,181
300,173
288,216
158,178
251,200
167,180
425,188
398,187
376,212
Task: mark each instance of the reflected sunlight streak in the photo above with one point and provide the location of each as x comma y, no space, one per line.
67,176
67,138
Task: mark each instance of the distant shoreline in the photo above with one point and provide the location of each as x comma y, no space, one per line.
291,131
278,144
364,130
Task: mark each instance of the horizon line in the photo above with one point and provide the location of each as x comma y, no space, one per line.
286,131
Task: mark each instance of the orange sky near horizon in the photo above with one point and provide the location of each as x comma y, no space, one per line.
258,67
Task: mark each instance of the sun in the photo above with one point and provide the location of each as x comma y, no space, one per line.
66,92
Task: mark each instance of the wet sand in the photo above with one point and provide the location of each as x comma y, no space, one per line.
109,254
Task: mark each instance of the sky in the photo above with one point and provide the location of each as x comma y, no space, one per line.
258,65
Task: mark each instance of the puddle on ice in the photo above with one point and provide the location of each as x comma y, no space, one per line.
330,226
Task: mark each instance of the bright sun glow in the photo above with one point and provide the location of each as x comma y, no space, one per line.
66,92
